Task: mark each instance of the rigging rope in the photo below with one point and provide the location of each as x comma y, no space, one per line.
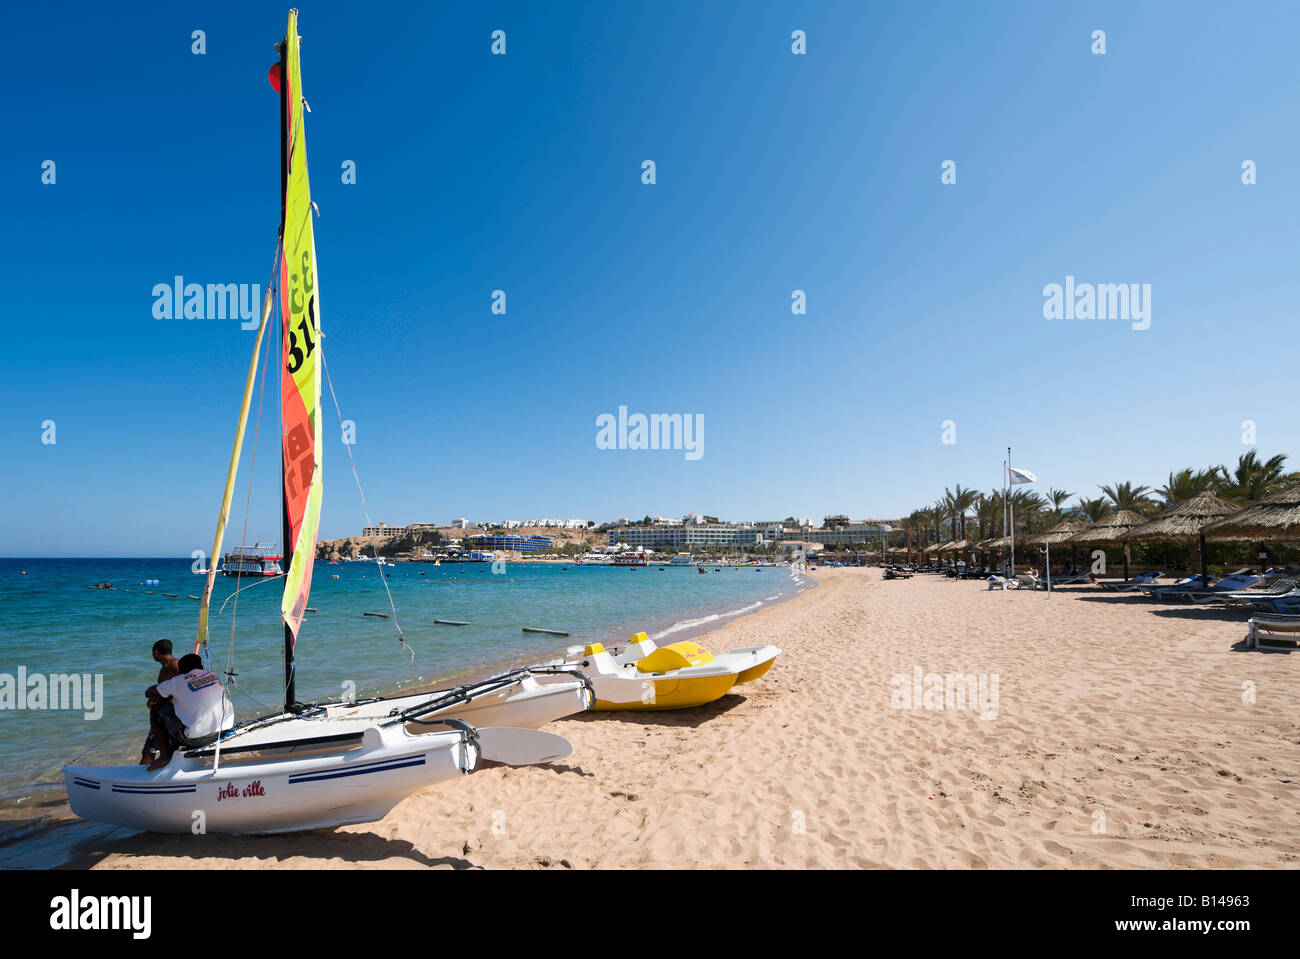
401,638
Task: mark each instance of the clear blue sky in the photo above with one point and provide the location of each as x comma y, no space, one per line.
523,173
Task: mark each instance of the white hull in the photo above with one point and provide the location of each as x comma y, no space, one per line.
525,703
273,794
337,765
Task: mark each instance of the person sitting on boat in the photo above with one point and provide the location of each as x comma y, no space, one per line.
169,666
194,711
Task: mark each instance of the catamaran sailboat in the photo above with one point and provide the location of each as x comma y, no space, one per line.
318,765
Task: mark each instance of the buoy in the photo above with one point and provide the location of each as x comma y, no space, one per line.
450,622
548,632
380,615
312,609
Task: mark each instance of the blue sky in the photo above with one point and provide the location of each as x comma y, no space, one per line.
522,172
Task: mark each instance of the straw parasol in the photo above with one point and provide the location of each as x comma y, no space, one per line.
1061,532
1276,516
1108,530
1184,522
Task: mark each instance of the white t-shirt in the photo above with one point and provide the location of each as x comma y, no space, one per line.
200,702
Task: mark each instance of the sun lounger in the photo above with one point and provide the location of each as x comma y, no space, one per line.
1142,579
1278,589
1191,584
1229,584
1070,580
1273,632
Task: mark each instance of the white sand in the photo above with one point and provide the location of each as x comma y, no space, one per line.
1121,739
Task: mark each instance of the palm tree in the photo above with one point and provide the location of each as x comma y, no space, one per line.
986,514
1056,497
1252,480
935,515
1027,506
960,501
911,525
1127,496
1095,509
1186,483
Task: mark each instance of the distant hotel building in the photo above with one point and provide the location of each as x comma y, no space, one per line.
520,544
848,533
383,529
843,533
682,537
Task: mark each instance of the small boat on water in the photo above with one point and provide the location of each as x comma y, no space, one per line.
595,559
631,559
643,676
259,560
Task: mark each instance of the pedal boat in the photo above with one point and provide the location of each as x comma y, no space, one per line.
643,676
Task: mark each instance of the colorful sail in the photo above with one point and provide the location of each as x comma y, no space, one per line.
300,406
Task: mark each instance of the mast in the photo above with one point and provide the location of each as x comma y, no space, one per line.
290,684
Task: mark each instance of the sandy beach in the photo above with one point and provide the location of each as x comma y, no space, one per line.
1122,735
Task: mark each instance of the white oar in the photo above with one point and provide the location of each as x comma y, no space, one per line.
521,747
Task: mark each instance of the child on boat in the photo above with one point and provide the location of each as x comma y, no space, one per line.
195,709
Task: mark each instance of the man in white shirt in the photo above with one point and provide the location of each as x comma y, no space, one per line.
195,708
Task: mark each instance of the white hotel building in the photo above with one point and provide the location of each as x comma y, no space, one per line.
685,537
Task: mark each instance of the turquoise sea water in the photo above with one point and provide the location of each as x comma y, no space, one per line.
52,622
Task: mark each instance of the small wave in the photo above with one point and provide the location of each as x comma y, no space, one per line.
770,598
677,627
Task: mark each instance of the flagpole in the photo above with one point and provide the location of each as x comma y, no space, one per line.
1012,507
1002,550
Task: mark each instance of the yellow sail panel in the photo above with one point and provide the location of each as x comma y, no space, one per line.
300,405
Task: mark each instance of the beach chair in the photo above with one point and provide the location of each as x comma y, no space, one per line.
1286,587
1128,585
1082,577
1229,584
1189,584
1273,632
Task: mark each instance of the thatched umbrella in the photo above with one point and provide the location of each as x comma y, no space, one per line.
1276,516
996,545
958,546
1184,522
1061,532
1108,531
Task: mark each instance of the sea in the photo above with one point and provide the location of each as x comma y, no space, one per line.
54,619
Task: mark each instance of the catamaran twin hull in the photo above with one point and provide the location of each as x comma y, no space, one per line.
338,764
274,794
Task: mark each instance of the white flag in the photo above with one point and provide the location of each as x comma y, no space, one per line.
1021,476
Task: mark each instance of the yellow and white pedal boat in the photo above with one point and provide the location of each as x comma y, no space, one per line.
643,676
